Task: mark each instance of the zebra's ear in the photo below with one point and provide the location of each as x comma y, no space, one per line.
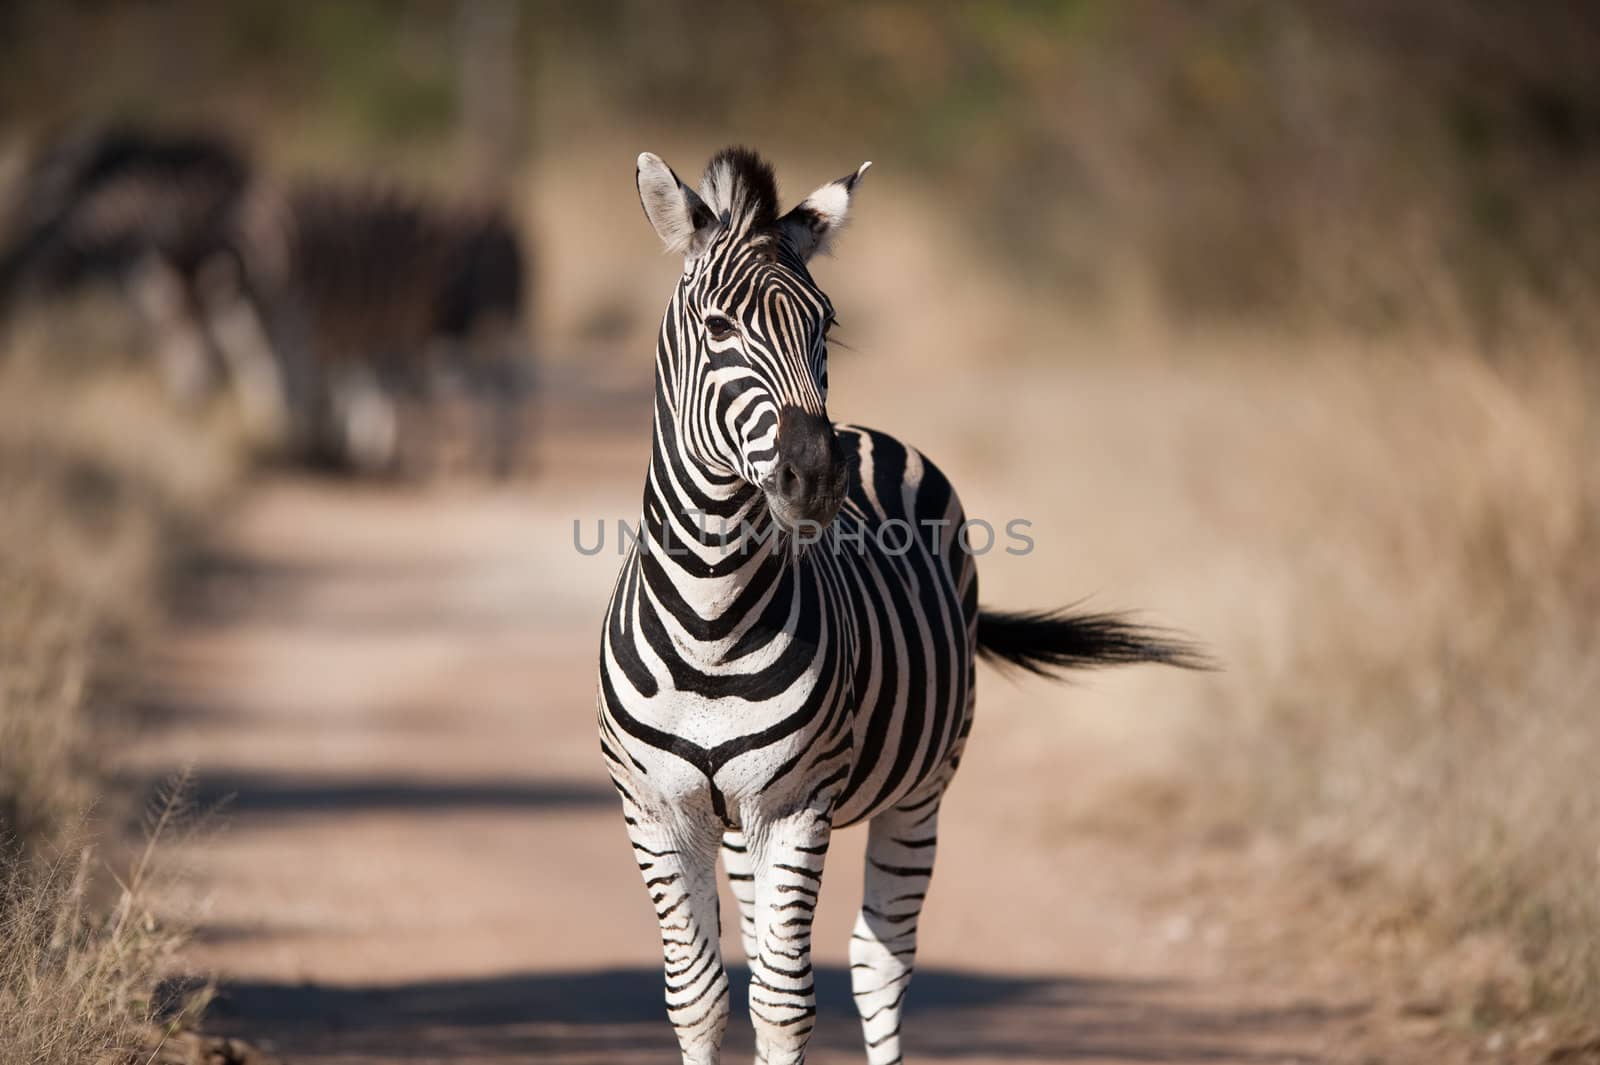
680,217
811,226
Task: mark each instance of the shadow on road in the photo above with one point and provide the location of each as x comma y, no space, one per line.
617,1015
338,592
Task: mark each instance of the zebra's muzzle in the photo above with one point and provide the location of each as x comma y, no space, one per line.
808,484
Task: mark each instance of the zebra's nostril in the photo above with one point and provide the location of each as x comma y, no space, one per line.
790,483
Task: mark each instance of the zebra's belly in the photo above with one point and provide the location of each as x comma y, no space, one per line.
905,746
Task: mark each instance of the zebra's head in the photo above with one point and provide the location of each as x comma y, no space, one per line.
744,348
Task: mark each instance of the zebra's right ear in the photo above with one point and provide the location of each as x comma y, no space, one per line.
680,217
812,225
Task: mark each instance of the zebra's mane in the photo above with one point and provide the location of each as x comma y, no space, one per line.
741,189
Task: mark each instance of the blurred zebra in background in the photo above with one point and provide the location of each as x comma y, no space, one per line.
166,221
400,297
333,313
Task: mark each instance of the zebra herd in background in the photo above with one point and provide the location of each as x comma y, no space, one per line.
790,645
334,313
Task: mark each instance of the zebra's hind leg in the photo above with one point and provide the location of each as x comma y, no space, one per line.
680,873
742,882
787,858
883,947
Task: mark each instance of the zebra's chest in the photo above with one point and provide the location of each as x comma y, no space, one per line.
740,728
732,725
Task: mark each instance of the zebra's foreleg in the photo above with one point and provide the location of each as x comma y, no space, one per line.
183,351
883,947
679,871
787,857
742,882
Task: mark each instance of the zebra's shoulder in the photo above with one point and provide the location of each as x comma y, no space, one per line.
891,477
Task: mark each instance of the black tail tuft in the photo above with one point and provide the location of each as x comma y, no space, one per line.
1048,642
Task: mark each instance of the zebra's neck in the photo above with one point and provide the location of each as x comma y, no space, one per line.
710,531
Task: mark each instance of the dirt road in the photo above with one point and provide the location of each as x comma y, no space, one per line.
423,861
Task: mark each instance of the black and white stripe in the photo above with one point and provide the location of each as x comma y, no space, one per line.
756,692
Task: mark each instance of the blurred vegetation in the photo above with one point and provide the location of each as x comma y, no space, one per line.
102,483
1363,165
1424,727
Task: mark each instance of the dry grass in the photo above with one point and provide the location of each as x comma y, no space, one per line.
1428,711
80,984
1396,554
98,479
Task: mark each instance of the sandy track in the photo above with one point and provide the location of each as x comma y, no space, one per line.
423,860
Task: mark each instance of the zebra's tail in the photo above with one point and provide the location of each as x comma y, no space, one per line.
1050,642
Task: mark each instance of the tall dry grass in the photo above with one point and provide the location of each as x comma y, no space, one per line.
80,981
99,479
1424,717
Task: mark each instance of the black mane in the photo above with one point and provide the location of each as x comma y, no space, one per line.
755,186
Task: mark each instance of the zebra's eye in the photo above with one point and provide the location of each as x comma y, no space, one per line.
719,327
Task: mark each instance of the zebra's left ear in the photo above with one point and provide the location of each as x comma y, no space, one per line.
811,225
681,219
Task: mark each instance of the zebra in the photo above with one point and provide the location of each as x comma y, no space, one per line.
391,291
163,217
321,304
760,685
